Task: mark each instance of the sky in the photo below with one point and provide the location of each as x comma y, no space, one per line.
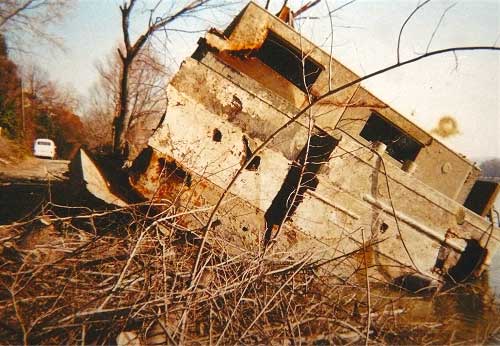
365,35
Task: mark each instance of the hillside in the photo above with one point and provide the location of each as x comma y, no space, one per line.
11,152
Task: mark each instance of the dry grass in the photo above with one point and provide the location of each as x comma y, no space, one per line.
85,279
11,152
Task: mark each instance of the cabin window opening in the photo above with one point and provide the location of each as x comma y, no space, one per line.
469,262
400,146
289,62
482,197
318,152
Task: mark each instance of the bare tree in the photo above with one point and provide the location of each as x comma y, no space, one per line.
130,52
147,99
25,20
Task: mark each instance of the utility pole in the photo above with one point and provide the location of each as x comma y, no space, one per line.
22,107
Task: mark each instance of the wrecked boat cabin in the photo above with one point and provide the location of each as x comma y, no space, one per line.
350,173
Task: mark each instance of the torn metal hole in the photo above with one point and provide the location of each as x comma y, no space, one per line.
416,283
255,163
217,135
216,223
301,177
171,168
383,227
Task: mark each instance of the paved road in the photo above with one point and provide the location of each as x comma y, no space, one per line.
34,169
23,186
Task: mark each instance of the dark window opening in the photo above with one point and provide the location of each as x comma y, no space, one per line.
470,260
313,157
171,169
482,196
288,62
255,163
400,146
217,135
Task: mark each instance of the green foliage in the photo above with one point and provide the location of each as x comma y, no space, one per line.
9,122
9,90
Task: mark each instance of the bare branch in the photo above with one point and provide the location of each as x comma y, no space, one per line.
438,25
14,12
340,7
27,20
406,21
306,7
125,10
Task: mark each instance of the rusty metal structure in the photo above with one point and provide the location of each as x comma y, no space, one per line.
350,174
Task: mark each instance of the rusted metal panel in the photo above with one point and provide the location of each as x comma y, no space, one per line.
94,181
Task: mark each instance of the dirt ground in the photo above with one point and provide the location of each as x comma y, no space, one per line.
18,164
26,182
33,169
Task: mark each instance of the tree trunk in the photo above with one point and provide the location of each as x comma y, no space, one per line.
122,117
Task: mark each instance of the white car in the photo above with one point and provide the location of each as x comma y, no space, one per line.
44,148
